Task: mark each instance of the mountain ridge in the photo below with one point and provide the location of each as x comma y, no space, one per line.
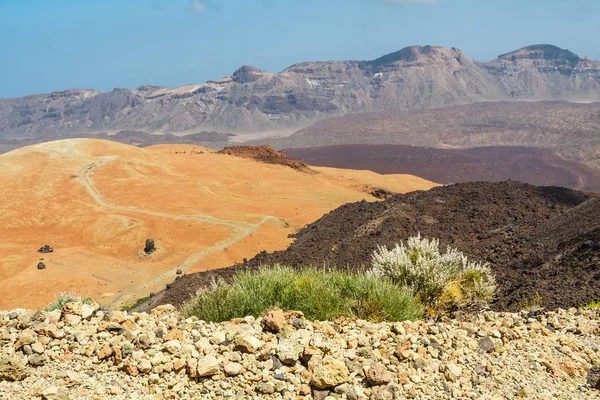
252,100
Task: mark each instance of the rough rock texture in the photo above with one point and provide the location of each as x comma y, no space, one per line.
252,100
554,355
11,369
265,154
537,239
150,246
45,249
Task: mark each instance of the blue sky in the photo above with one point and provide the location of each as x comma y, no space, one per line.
51,45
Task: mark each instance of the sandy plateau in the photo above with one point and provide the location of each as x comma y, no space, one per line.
96,202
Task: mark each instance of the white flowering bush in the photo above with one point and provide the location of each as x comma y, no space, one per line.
440,281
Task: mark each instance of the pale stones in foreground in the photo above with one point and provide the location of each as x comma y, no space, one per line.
453,372
54,393
273,320
378,374
208,366
12,370
289,350
247,343
37,348
27,336
233,368
145,366
172,346
330,372
163,309
87,310
74,308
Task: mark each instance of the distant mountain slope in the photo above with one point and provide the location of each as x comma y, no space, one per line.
572,130
252,100
536,166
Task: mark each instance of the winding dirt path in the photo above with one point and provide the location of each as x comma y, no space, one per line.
240,231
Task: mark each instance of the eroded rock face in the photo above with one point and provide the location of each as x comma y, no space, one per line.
248,74
253,100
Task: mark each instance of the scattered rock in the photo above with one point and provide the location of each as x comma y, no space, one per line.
356,360
329,372
266,387
378,374
247,343
172,346
149,247
233,369
486,344
41,265
54,393
36,360
273,319
208,366
45,249
289,350
11,369
179,271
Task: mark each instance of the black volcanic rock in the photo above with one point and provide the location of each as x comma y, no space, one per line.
149,247
533,237
41,265
45,249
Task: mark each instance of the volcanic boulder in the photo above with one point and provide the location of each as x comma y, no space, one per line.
150,247
45,249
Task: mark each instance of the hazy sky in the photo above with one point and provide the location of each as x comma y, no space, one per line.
48,45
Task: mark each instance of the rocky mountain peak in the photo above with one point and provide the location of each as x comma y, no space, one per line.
247,74
413,54
542,52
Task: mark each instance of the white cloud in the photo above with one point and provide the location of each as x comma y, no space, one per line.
196,6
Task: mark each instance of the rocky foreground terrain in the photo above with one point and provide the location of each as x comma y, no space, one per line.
86,352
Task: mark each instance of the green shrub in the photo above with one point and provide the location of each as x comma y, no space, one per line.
130,306
533,303
441,282
64,297
319,294
592,305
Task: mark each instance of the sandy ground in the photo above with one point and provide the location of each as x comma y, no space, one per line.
96,202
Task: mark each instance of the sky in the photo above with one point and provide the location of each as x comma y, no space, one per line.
48,45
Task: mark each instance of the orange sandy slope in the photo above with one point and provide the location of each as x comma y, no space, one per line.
96,202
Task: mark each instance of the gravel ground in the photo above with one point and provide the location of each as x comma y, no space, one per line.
88,353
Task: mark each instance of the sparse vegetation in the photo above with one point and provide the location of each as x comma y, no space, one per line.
533,303
319,294
441,282
131,306
592,305
64,297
